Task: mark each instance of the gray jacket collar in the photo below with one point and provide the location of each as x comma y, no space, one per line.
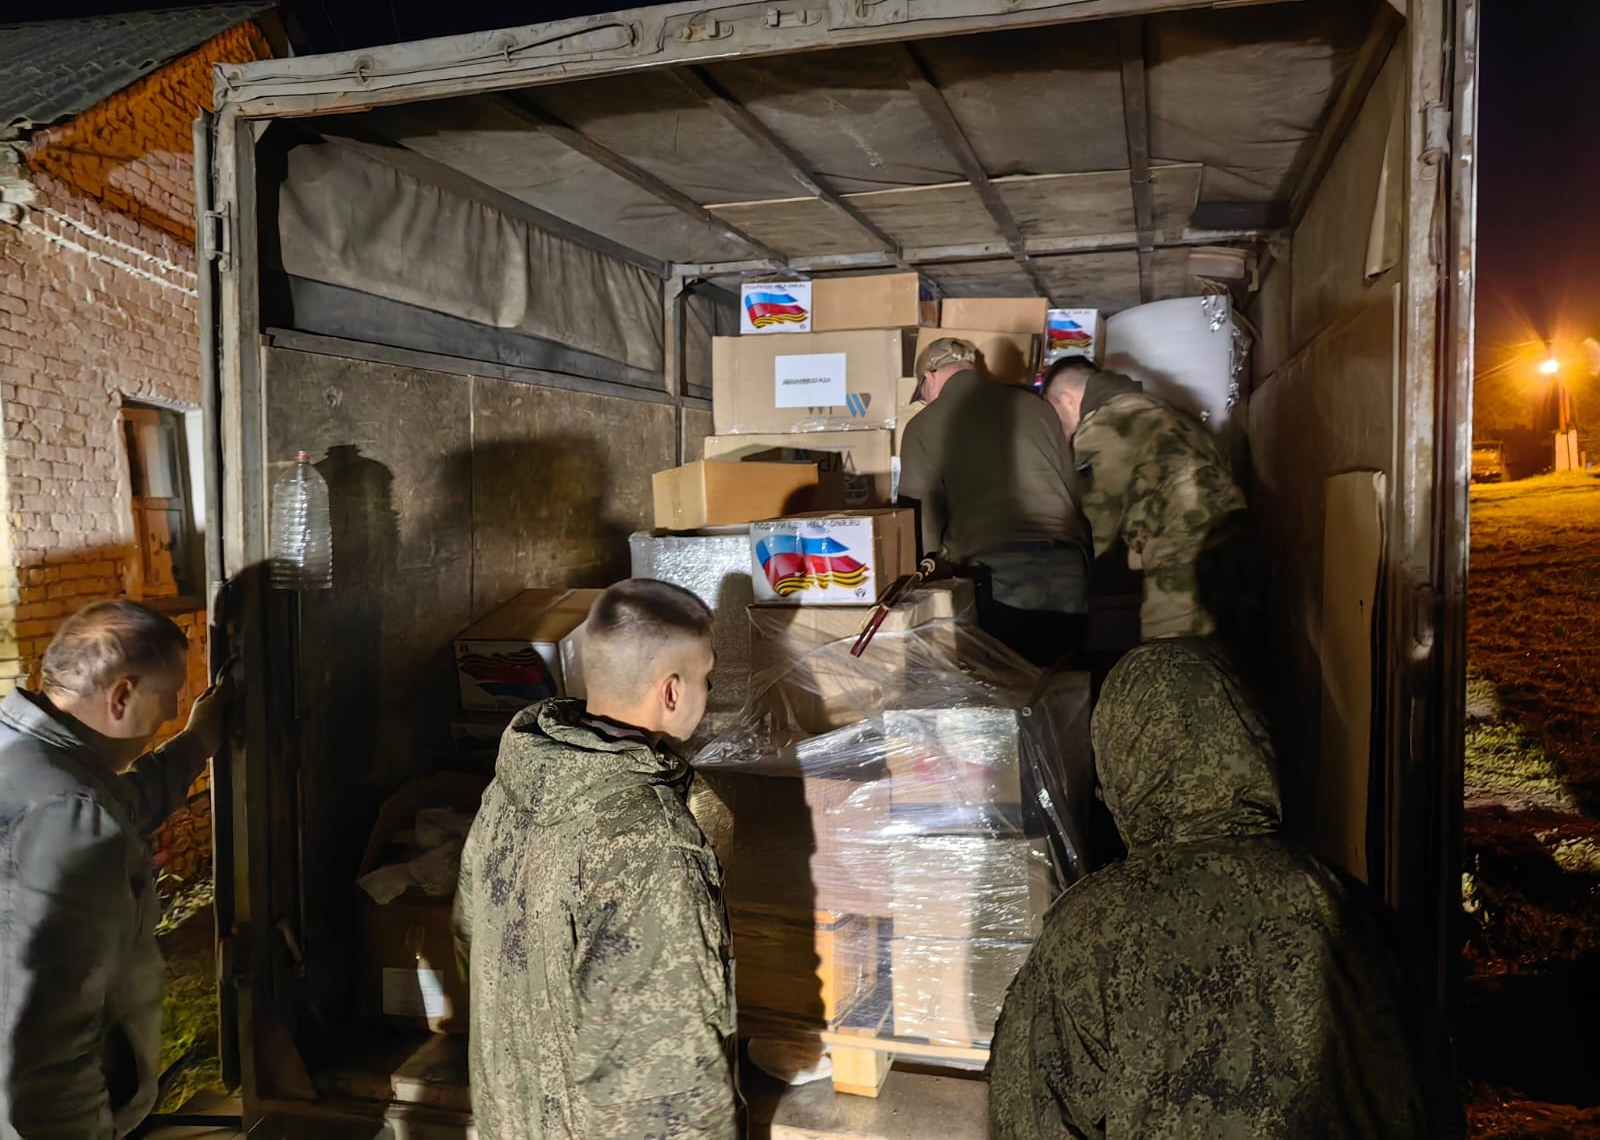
30,714
33,715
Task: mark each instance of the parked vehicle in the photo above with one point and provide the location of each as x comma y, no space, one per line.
1489,462
480,275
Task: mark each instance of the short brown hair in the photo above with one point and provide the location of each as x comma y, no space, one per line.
630,625
1080,367
106,641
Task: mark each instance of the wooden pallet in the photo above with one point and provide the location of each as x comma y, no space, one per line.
862,1052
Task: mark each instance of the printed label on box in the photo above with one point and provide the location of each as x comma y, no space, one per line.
778,306
811,558
503,677
415,993
816,381
1071,332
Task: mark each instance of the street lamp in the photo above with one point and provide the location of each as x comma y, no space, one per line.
1567,457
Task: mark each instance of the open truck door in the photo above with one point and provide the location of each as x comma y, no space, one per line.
1363,363
1424,745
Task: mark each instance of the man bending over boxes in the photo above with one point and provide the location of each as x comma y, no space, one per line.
1153,476
1219,981
588,909
987,467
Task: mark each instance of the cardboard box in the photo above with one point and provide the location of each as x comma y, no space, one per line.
793,842
905,410
727,493
512,658
1001,314
954,771
775,307
801,971
572,665
873,301
950,991
838,558
1009,358
406,966
971,887
855,468
794,679
841,381
1073,332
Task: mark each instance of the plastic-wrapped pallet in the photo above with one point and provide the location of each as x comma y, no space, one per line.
890,873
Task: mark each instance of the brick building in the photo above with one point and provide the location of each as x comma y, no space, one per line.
99,356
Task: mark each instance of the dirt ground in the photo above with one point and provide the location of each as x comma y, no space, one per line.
1531,882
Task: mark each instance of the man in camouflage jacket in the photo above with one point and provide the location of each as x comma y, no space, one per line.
589,906
1153,476
1218,982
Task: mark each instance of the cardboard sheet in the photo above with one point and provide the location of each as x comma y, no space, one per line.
1353,547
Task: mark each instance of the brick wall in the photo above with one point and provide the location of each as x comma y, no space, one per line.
98,307
133,151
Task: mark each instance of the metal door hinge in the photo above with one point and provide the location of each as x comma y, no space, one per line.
216,236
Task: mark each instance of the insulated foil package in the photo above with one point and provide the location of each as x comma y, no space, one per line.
715,567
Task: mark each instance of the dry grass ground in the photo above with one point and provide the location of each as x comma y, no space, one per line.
189,1023
1531,884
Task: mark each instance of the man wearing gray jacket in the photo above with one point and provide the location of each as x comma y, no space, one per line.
80,973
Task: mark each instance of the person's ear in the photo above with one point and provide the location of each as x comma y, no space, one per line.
120,697
672,693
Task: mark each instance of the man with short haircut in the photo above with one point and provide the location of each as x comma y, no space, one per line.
589,908
987,468
1154,477
80,972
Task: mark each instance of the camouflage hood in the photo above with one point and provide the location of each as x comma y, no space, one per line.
555,763
1182,754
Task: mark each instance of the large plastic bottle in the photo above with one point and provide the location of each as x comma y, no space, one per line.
302,536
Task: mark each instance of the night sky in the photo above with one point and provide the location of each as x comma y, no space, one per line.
1538,213
1539,166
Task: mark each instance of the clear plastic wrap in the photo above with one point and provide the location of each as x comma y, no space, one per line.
891,826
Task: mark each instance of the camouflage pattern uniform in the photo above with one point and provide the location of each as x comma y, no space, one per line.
1218,982
1155,477
589,912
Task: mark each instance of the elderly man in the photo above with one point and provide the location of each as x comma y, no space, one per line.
80,973
1152,476
1218,982
986,465
589,909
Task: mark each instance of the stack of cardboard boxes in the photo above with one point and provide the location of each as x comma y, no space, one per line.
825,383
822,373
867,809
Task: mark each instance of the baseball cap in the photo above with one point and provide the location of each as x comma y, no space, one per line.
945,350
